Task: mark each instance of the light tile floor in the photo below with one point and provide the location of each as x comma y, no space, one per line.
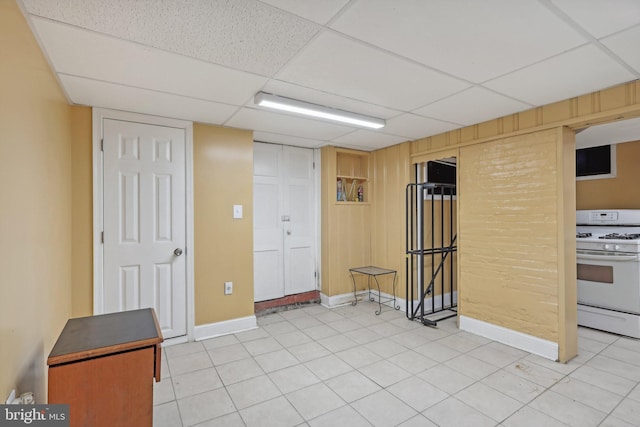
348,367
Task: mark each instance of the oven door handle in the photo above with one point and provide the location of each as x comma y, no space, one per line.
594,257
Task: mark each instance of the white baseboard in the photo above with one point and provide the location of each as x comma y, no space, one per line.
203,332
344,299
529,343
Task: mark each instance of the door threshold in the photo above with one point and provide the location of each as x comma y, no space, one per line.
285,303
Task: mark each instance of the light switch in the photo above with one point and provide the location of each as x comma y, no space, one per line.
237,211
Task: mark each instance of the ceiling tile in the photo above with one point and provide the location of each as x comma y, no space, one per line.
574,73
601,18
413,126
474,40
609,133
266,121
241,34
314,10
107,95
295,141
627,46
365,139
289,90
472,106
83,53
336,64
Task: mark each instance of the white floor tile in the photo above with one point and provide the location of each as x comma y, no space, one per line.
383,409
251,335
280,328
489,401
513,386
308,351
240,370
196,382
320,331
622,354
166,415
336,343
328,367
438,352
183,349
344,416
352,386
293,378
453,413
471,367
612,421
189,363
410,339
616,367
417,421
276,360
385,347
412,362
358,356
567,410
230,420
446,379
529,417
229,353
276,412
252,391
315,400
205,406
497,354
384,373
417,393
363,336
262,346
344,325
534,373
461,342
603,379
628,410
269,319
163,391
592,396
294,338
222,341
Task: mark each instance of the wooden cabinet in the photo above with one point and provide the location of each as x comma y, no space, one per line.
104,366
352,175
346,225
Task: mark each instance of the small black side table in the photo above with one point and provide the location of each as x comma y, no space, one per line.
374,272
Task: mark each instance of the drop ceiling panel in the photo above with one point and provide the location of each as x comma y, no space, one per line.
627,46
241,34
278,87
83,53
574,73
472,106
474,40
295,141
286,124
601,18
368,140
314,10
413,126
336,64
107,95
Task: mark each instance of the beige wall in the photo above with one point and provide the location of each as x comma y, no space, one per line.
510,213
35,212
621,192
391,174
82,213
223,176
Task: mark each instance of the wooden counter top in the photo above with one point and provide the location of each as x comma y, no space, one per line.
93,336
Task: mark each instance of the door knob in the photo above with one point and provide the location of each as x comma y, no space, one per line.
288,232
177,252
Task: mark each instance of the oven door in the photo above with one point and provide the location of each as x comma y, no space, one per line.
609,280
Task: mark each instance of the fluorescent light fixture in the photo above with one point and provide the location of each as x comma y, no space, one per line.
294,106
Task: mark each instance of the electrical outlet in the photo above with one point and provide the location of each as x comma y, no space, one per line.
228,288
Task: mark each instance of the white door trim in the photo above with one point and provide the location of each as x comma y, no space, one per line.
99,114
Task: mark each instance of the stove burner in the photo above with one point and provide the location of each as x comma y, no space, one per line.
625,236
583,235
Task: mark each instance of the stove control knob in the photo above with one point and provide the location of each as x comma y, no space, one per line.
607,247
617,247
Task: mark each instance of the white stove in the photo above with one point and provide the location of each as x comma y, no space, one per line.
608,269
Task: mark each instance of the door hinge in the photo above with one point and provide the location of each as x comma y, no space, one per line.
102,237
102,144
314,165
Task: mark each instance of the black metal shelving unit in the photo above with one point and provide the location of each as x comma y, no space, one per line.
422,286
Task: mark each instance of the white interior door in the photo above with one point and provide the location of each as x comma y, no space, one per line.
284,221
145,221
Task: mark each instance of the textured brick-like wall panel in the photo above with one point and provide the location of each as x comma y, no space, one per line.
508,221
